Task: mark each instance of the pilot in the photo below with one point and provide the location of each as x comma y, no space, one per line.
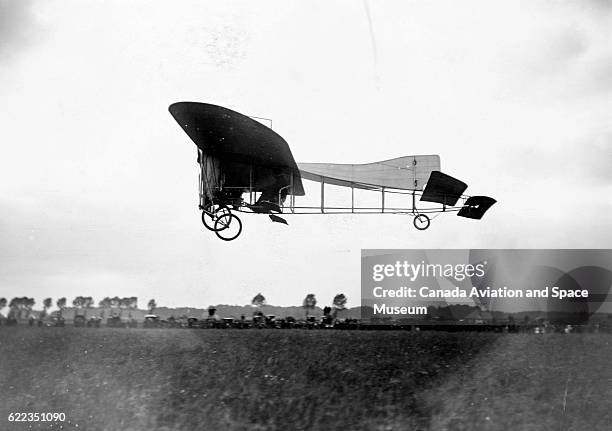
273,196
269,200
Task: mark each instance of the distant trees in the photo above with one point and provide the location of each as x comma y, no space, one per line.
118,305
339,303
123,305
14,308
130,303
309,303
47,303
20,308
2,305
77,302
115,303
61,304
82,304
104,304
258,300
28,305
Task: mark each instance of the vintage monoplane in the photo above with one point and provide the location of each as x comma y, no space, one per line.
247,167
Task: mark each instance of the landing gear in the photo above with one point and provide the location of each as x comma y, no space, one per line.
219,219
227,226
210,215
421,222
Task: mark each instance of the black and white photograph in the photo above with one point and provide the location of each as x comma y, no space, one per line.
305,215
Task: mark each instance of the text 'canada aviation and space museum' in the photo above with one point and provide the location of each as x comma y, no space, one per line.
246,167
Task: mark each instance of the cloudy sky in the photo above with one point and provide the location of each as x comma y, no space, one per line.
98,184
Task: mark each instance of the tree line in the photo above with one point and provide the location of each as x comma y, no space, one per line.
309,303
21,307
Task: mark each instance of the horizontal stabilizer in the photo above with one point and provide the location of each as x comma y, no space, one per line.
443,189
476,206
277,219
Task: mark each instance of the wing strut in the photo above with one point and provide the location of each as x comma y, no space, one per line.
322,195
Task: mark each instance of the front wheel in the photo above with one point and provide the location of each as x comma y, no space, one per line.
421,222
211,214
228,227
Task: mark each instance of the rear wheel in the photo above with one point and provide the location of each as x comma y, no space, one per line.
421,222
228,226
211,214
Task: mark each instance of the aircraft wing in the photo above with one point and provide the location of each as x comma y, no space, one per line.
406,173
251,153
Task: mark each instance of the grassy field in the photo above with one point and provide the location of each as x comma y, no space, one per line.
136,379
